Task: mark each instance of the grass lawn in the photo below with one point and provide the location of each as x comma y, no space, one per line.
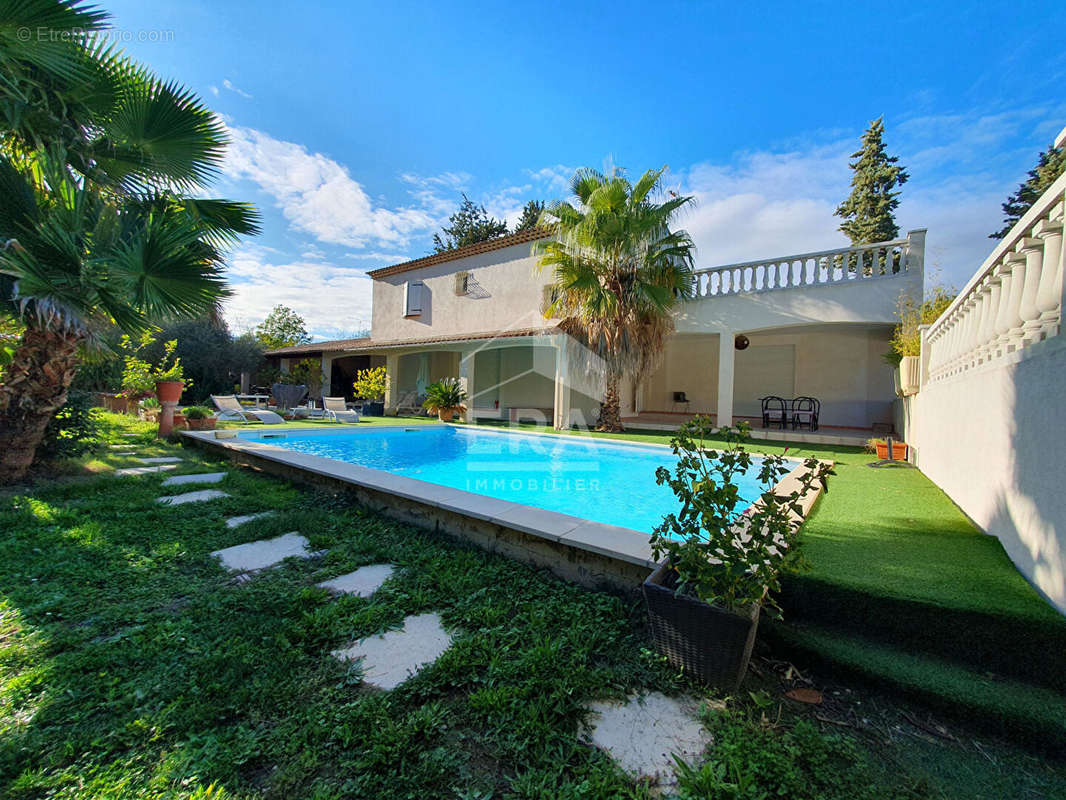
132,665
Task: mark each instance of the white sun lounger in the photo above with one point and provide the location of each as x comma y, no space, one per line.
337,411
229,408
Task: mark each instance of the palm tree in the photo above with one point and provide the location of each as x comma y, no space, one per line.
97,159
619,271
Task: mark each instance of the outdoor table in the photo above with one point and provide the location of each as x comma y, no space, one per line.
254,398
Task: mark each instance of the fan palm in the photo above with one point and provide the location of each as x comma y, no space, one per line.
619,271
97,157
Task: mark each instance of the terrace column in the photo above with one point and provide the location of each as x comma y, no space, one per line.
562,384
327,376
392,390
466,379
726,354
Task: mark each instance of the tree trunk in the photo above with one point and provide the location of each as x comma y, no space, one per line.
610,409
35,386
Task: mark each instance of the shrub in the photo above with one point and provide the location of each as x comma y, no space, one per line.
309,373
370,384
907,338
198,412
444,395
73,431
727,549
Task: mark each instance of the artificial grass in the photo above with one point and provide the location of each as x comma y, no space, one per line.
1036,714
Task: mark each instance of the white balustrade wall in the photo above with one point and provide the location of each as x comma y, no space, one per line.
844,265
987,424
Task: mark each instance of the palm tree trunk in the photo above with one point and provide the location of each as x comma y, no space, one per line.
610,409
35,386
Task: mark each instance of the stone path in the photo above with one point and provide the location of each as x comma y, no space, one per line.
160,460
200,477
363,582
391,658
642,735
234,522
262,554
191,497
126,471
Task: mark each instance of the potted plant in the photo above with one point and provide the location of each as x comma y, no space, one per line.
169,380
880,446
371,385
199,418
148,409
724,551
444,398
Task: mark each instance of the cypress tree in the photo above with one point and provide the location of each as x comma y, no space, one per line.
868,211
1051,164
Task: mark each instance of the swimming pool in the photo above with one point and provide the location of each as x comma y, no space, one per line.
607,482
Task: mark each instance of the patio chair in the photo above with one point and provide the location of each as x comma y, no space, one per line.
773,411
229,408
337,411
805,412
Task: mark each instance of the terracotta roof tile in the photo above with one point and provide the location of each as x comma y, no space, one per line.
528,235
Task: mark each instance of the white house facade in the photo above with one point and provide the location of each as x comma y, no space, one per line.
810,324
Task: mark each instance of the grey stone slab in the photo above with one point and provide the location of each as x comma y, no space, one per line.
539,522
363,582
200,477
160,460
611,540
391,658
234,522
127,471
262,554
192,497
643,735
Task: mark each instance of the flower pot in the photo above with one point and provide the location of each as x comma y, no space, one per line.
446,414
374,409
169,391
709,642
909,375
899,451
179,419
204,424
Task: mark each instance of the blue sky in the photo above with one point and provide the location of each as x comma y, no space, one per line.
355,126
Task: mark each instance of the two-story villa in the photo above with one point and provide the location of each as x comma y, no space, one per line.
812,324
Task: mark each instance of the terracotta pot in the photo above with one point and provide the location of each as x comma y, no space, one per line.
169,391
899,451
446,414
179,419
205,424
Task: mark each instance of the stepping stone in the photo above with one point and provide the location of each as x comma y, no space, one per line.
234,522
362,583
643,735
119,447
266,553
160,460
143,470
126,454
200,477
191,497
393,657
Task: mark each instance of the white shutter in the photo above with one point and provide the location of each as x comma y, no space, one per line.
412,298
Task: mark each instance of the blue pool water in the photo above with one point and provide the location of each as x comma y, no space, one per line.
602,481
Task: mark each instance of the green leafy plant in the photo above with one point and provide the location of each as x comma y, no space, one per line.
150,403
198,412
907,336
728,549
371,384
73,431
444,395
309,373
139,376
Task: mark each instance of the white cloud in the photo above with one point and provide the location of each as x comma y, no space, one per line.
332,300
318,195
214,90
235,89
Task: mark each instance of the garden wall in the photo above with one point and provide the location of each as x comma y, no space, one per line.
994,439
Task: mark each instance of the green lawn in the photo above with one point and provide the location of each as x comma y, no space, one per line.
131,665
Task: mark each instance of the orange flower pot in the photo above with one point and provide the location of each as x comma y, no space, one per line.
169,391
899,451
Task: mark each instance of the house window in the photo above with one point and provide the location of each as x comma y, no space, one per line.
462,283
412,298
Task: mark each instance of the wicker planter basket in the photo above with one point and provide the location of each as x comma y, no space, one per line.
709,642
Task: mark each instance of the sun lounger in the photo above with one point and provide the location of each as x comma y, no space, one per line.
337,411
229,408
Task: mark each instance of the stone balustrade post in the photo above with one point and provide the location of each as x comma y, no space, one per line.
1049,293
1033,250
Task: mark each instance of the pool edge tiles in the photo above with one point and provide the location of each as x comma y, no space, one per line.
590,553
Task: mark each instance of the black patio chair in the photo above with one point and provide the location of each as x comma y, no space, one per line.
774,411
805,411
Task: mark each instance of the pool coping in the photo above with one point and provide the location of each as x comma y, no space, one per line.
614,543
